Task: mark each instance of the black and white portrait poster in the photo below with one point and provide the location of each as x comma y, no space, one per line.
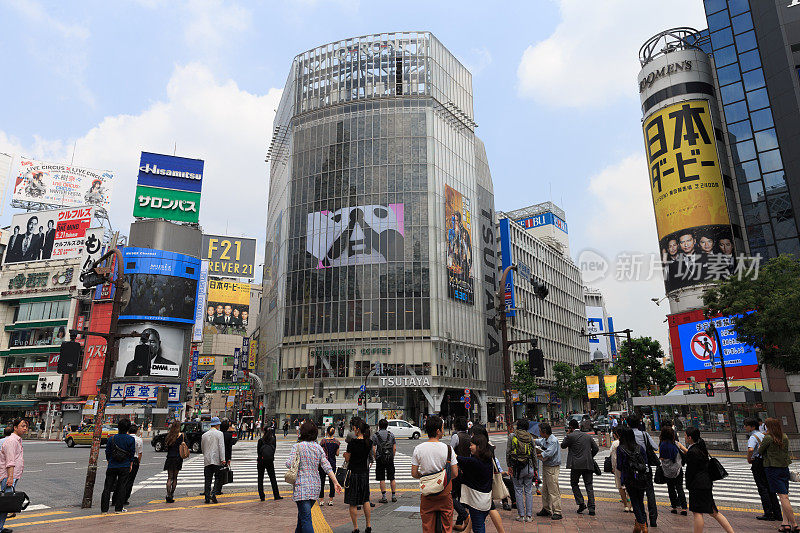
159,351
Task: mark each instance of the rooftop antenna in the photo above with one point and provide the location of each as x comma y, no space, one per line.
174,148
74,146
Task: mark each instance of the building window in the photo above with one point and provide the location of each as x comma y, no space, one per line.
766,140
746,41
732,92
758,99
728,74
738,6
762,119
770,161
736,112
718,20
725,56
748,60
742,23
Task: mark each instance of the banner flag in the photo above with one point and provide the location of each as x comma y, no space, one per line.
611,384
593,386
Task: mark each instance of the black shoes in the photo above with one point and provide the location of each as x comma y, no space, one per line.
653,523
544,512
556,517
581,508
278,497
506,506
675,511
170,499
394,498
591,512
383,500
683,512
214,499
262,497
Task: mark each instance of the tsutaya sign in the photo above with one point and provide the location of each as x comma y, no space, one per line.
663,72
406,381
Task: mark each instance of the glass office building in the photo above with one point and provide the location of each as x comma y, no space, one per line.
373,274
753,44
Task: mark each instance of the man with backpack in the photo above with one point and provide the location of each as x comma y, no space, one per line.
521,460
580,461
120,451
385,448
644,440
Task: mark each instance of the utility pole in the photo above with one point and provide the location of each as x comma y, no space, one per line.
112,343
712,330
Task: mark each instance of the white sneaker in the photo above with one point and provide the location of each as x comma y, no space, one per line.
529,519
519,518
124,510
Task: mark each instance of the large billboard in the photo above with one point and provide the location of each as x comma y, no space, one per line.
168,187
62,185
505,262
228,307
458,227
358,235
232,257
163,285
159,351
696,353
692,219
595,324
56,234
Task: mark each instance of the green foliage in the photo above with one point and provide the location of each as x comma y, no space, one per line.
773,292
522,380
639,362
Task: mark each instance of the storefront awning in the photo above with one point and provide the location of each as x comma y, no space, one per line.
19,377
10,404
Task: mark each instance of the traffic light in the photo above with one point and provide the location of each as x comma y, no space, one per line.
68,356
95,276
709,388
536,362
540,289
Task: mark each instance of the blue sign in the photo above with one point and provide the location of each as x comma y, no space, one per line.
195,358
148,261
170,172
506,261
545,219
612,338
700,351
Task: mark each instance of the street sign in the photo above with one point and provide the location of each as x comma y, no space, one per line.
467,406
466,392
362,388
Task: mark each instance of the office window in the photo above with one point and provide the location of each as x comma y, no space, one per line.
744,151
735,112
746,41
770,161
761,119
740,131
748,171
718,20
758,99
774,180
748,60
725,56
753,79
742,23
712,6
766,140
721,38
738,6
732,93
729,74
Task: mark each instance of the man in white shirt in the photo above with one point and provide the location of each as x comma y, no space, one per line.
769,500
429,458
213,445
137,460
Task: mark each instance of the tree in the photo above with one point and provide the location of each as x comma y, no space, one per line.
568,382
523,381
639,362
773,293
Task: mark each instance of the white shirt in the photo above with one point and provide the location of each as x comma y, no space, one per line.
754,442
139,445
430,457
213,444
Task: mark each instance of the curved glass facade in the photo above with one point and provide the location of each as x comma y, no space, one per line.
369,274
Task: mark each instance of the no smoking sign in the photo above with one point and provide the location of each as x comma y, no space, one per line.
703,346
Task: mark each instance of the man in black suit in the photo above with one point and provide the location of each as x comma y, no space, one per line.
14,248
49,239
39,239
28,249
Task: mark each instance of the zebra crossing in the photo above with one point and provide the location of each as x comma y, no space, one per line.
245,472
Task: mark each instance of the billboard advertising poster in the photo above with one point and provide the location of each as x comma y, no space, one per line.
598,346
252,354
169,204
358,235
505,262
232,257
545,219
458,227
62,185
701,352
200,306
163,285
692,218
170,172
159,352
43,235
228,307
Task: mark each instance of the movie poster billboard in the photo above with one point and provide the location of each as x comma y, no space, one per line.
598,344
357,235
694,230
458,225
44,235
228,307
231,257
62,185
158,352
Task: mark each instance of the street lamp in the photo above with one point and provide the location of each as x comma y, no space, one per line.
712,331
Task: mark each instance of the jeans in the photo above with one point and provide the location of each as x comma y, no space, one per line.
551,492
637,502
523,488
116,479
131,479
212,471
4,487
478,519
588,481
677,497
269,466
304,522
769,500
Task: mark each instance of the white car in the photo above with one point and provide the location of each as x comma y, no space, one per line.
401,428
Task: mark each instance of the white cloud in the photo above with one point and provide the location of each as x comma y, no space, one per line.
212,24
592,56
227,127
623,225
477,60
58,46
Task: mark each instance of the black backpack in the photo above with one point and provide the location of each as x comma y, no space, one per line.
384,448
636,468
118,455
266,450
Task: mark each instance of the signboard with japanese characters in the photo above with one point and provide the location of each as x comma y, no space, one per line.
45,235
57,184
143,392
168,187
686,182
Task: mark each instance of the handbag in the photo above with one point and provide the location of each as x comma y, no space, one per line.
659,478
118,455
597,470
343,475
13,502
290,476
715,469
225,475
652,458
499,490
607,467
433,484
183,450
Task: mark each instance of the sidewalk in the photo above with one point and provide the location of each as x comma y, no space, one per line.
242,511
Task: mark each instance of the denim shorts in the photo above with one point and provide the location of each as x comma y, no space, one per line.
778,479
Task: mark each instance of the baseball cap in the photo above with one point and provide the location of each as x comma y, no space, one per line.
215,421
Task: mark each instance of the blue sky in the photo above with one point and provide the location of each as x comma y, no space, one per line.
554,86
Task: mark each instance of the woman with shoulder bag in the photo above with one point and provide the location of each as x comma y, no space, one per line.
494,514
432,459
310,458
632,464
699,483
672,466
357,491
612,454
476,474
775,451
265,450
175,441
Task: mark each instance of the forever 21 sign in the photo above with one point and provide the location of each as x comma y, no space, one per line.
233,257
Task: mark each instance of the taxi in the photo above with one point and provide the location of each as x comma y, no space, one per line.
85,433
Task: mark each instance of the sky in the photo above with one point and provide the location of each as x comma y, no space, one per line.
554,83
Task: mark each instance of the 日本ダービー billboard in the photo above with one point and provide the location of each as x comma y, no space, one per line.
694,229
62,185
458,227
228,307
